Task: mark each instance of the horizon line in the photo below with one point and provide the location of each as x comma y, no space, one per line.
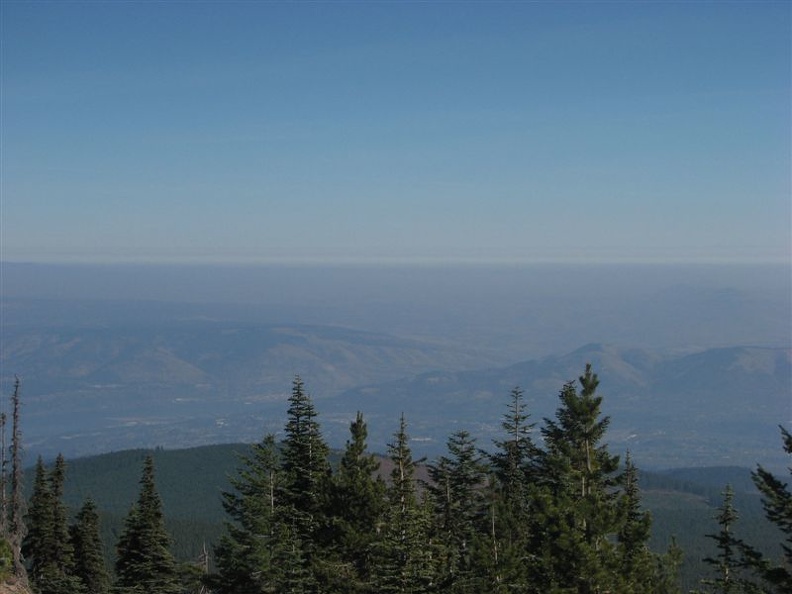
430,262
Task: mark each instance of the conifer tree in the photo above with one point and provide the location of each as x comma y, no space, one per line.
246,555
40,521
16,520
47,545
404,556
64,552
145,564
357,505
514,466
639,570
515,458
89,564
728,564
458,507
777,503
306,472
304,462
578,509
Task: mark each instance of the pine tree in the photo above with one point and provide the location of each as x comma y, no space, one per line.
357,505
40,522
304,462
246,556
578,509
63,551
641,571
403,553
16,521
145,564
504,555
89,564
777,503
47,545
306,472
458,507
728,564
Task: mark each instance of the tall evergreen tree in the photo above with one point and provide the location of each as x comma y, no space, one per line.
639,570
403,552
305,462
16,520
63,551
514,466
306,471
40,522
145,564
47,545
89,564
358,498
777,503
728,564
246,557
578,508
458,507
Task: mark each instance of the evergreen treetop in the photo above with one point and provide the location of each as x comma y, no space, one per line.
145,563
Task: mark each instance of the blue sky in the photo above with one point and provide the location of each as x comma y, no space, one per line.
396,132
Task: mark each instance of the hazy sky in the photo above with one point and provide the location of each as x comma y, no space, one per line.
395,131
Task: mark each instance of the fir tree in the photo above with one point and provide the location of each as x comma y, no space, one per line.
577,509
47,545
16,522
246,556
641,571
89,564
403,552
304,463
145,564
40,521
514,466
777,503
357,505
306,474
728,564
458,507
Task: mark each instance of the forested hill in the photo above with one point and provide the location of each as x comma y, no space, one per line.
683,502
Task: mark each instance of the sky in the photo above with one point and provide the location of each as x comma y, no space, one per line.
382,132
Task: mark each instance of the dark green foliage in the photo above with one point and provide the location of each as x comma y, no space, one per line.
728,564
459,511
39,520
514,460
356,509
89,564
777,503
47,546
304,493
502,553
639,570
246,555
404,562
280,528
145,563
578,509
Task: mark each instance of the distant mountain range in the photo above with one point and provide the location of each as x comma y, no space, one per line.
91,389
719,406
190,382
